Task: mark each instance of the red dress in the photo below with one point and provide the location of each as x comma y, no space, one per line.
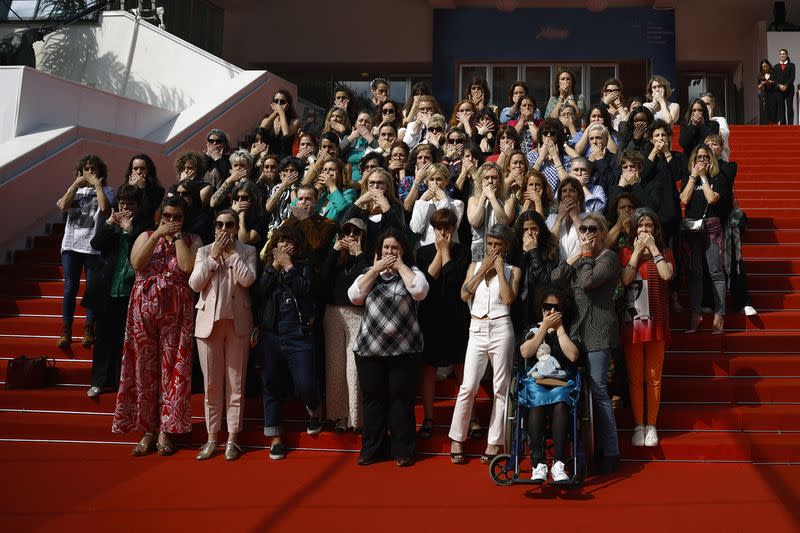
155,389
656,327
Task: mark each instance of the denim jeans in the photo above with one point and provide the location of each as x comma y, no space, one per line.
73,263
604,414
292,350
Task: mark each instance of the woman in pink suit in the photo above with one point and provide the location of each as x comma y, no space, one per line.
223,272
155,389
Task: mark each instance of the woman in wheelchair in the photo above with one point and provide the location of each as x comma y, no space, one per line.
551,334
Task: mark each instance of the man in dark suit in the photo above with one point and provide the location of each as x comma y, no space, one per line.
783,71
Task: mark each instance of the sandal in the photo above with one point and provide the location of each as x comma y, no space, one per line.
487,457
145,445
475,429
457,458
164,445
426,429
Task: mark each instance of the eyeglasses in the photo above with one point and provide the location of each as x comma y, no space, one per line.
351,232
457,140
551,307
172,217
436,129
388,111
702,158
280,101
212,140
229,224
243,198
548,133
588,229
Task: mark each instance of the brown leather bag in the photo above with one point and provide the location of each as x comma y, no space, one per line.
30,372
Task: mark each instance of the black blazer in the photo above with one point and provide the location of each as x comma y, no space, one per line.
106,240
784,77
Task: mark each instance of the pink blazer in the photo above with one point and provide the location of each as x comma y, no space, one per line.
212,286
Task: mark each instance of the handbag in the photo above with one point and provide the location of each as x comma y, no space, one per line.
693,225
29,372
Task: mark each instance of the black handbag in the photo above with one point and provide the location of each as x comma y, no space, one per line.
30,372
692,225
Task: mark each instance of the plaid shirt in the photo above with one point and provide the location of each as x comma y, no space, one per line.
389,325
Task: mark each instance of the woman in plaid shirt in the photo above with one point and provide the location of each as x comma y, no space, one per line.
386,349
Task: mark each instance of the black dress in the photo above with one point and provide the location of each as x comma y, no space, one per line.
443,316
768,101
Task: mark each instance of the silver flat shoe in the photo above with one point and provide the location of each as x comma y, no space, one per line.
232,451
207,450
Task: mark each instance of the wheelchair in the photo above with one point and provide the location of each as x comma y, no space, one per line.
505,468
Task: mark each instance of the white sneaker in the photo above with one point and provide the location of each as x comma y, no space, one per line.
540,473
650,436
557,472
638,436
749,310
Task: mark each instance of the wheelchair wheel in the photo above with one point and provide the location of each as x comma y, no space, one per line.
501,471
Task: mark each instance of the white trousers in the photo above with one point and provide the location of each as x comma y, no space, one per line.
490,341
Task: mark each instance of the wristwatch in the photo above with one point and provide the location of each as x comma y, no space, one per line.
177,236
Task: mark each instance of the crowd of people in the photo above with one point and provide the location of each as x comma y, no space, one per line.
355,266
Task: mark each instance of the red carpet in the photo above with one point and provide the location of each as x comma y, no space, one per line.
62,487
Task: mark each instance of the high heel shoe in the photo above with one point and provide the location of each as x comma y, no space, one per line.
718,326
694,324
146,445
165,447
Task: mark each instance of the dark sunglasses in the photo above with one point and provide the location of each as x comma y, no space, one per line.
230,224
215,141
388,111
172,217
243,198
588,229
279,101
351,232
548,133
436,130
456,141
551,307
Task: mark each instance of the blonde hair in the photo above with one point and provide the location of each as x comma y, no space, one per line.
501,186
388,182
593,127
599,219
434,169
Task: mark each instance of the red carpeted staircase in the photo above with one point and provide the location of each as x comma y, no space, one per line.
734,397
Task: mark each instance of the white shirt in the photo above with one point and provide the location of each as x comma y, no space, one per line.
487,301
83,217
568,243
421,218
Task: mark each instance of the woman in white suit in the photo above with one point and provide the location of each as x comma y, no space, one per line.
223,272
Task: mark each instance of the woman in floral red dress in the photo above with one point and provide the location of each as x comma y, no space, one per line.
648,268
155,388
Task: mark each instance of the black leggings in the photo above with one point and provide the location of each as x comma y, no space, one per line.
559,422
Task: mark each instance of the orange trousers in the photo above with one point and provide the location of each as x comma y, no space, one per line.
638,356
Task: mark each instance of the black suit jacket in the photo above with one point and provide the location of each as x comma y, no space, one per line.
784,77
